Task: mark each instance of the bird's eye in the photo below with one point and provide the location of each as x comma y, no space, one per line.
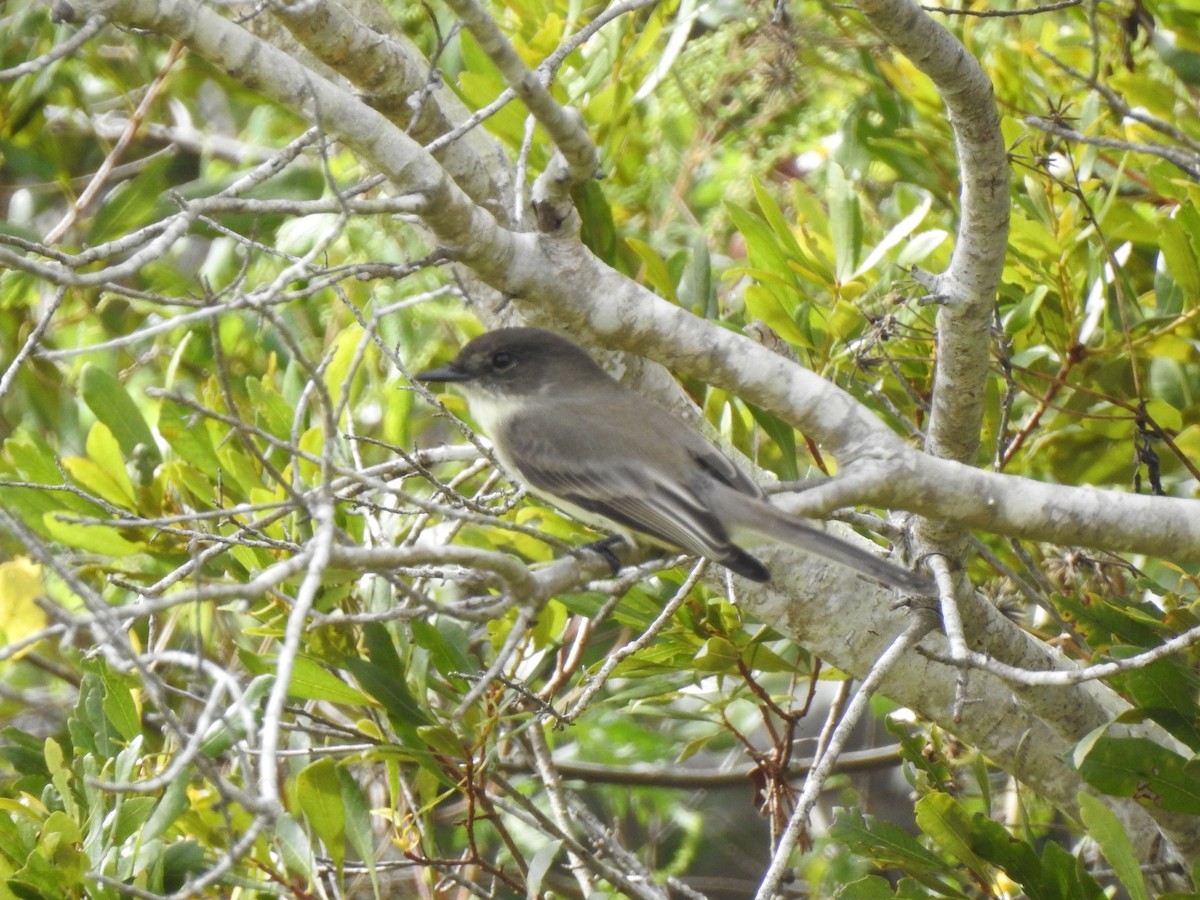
501,360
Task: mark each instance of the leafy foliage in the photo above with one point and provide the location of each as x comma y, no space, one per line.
177,434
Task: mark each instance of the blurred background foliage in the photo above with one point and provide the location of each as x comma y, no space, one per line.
781,168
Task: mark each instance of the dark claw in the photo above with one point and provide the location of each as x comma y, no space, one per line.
604,547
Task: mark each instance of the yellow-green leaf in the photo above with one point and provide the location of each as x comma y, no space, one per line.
100,539
20,616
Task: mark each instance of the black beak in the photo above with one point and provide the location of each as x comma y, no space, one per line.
445,373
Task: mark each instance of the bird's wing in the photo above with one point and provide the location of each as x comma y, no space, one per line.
722,468
593,478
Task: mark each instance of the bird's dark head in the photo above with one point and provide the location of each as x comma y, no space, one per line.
515,362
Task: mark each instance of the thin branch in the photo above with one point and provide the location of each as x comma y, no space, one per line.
904,642
1003,13
90,29
564,125
1186,161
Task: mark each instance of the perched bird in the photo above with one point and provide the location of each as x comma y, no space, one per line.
609,456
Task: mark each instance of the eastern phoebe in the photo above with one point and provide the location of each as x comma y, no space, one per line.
608,455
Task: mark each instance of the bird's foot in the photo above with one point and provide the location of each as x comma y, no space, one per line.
605,547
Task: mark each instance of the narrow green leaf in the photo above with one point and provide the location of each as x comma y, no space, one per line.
110,402
311,681
294,846
319,792
845,223
173,804
1175,244
382,676
1106,830
446,643
442,739
696,285
784,437
539,865
93,538
762,245
358,823
780,227
656,273
764,303
180,861
132,814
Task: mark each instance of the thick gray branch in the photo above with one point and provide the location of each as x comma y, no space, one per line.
967,289
400,83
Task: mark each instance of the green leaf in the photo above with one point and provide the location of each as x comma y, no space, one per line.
1053,877
870,888
890,846
173,804
133,202
32,456
717,655
271,412
294,846
319,793
763,303
132,814
1164,691
1142,769
90,728
696,291
845,223
358,822
895,235
312,681
187,433
1107,620
762,244
382,676
442,739
949,824
102,448
598,231
539,865
180,861
92,538
446,643
784,437
29,755
111,404
119,706
230,728
779,225
103,481
1175,244
1107,831
57,862
655,269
